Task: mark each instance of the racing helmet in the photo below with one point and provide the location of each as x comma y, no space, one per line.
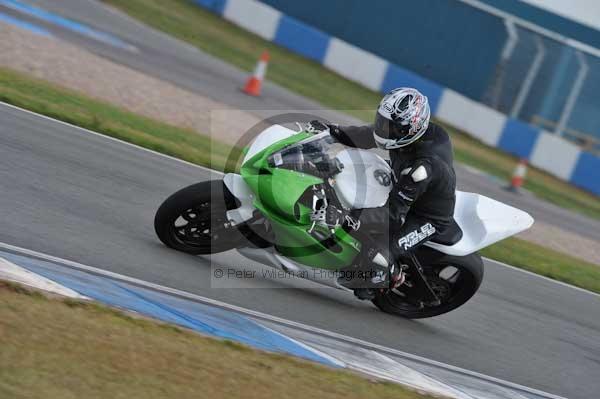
402,118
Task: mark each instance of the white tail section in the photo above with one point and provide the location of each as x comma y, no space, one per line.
484,221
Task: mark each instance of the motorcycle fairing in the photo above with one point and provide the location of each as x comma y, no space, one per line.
365,181
484,221
276,192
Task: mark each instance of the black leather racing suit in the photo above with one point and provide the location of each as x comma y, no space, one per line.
421,203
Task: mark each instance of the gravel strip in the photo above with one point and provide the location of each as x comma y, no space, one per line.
563,241
78,69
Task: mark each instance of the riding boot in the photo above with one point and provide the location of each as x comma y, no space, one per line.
371,272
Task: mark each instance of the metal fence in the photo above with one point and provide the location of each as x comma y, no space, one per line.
547,80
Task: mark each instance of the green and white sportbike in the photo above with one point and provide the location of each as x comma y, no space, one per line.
295,205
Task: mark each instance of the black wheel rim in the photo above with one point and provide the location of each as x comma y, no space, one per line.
447,281
198,226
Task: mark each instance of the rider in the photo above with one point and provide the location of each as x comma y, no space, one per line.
421,203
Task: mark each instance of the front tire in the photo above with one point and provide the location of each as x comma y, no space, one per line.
193,220
454,288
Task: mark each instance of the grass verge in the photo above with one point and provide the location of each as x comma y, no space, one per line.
185,21
61,348
546,262
72,107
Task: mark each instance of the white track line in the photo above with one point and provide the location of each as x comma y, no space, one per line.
109,138
15,273
542,277
274,319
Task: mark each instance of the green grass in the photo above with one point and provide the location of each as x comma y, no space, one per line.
222,39
546,262
62,348
72,107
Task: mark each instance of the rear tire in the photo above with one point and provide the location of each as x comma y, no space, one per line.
193,220
465,284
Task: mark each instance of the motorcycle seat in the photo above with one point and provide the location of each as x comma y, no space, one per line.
449,236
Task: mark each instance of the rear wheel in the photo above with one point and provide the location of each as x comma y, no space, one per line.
453,279
193,220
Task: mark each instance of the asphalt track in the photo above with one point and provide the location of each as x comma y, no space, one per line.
83,197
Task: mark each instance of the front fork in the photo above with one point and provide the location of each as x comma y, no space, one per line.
416,288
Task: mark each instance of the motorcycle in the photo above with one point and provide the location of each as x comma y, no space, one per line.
294,207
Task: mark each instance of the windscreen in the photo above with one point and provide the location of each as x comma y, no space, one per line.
315,155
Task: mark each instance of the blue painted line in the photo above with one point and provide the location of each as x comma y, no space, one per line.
184,319
66,23
196,316
9,19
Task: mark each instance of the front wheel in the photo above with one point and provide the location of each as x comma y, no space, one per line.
454,279
193,220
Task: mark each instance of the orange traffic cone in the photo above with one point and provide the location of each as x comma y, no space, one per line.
254,83
518,177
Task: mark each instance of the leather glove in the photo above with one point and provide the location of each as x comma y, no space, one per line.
398,211
316,126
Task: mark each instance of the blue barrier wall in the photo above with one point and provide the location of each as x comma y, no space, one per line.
586,173
313,45
549,152
458,46
463,59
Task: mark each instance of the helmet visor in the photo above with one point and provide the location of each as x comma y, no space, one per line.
387,129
